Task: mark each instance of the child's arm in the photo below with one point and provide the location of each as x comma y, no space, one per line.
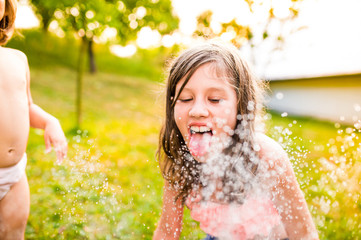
170,224
53,133
288,197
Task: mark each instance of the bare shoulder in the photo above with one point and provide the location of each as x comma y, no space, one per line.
271,151
268,146
17,54
274,163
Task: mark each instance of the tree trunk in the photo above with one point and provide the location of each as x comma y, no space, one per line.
46,17
92,65
79,82
45,25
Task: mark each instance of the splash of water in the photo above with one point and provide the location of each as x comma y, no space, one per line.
329,174
88,205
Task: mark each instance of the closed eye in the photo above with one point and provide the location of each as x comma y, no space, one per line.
185,100
214,100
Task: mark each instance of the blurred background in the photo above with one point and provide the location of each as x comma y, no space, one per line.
99,67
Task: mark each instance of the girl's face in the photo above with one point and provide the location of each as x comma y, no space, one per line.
205,110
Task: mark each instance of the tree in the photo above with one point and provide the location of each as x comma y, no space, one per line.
45,10
237,32
89,18
274,26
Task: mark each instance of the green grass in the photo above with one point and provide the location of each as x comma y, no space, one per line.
110,186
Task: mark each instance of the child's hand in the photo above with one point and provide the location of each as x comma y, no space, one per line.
54,136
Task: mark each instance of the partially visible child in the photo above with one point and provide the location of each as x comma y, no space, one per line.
237,182
18,113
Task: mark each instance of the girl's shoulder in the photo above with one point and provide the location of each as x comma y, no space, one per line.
270,150
267,144
19,55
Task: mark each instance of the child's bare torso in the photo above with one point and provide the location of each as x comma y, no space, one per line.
14,106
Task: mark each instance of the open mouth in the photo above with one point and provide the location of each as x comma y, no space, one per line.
200,140
200,129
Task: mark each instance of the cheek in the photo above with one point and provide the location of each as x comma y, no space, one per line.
180,117
233,120
229,113
231,117
177,116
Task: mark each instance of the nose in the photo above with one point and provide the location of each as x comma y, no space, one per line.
199,109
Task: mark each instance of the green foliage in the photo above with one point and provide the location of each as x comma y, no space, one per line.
45,11
89,18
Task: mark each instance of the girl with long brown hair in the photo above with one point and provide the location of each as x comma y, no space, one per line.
237,182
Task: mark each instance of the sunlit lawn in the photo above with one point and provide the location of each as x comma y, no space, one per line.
110,186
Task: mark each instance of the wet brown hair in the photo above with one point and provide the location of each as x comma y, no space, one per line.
177,165
7,23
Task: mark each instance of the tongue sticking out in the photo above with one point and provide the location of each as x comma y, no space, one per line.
199,143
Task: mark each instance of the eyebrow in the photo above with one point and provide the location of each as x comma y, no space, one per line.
215,89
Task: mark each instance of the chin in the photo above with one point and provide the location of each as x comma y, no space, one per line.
200,158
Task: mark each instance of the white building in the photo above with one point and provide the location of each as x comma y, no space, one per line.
334,98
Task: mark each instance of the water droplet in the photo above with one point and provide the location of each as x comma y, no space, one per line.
279,96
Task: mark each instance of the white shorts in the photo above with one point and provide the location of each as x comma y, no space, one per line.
11,175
